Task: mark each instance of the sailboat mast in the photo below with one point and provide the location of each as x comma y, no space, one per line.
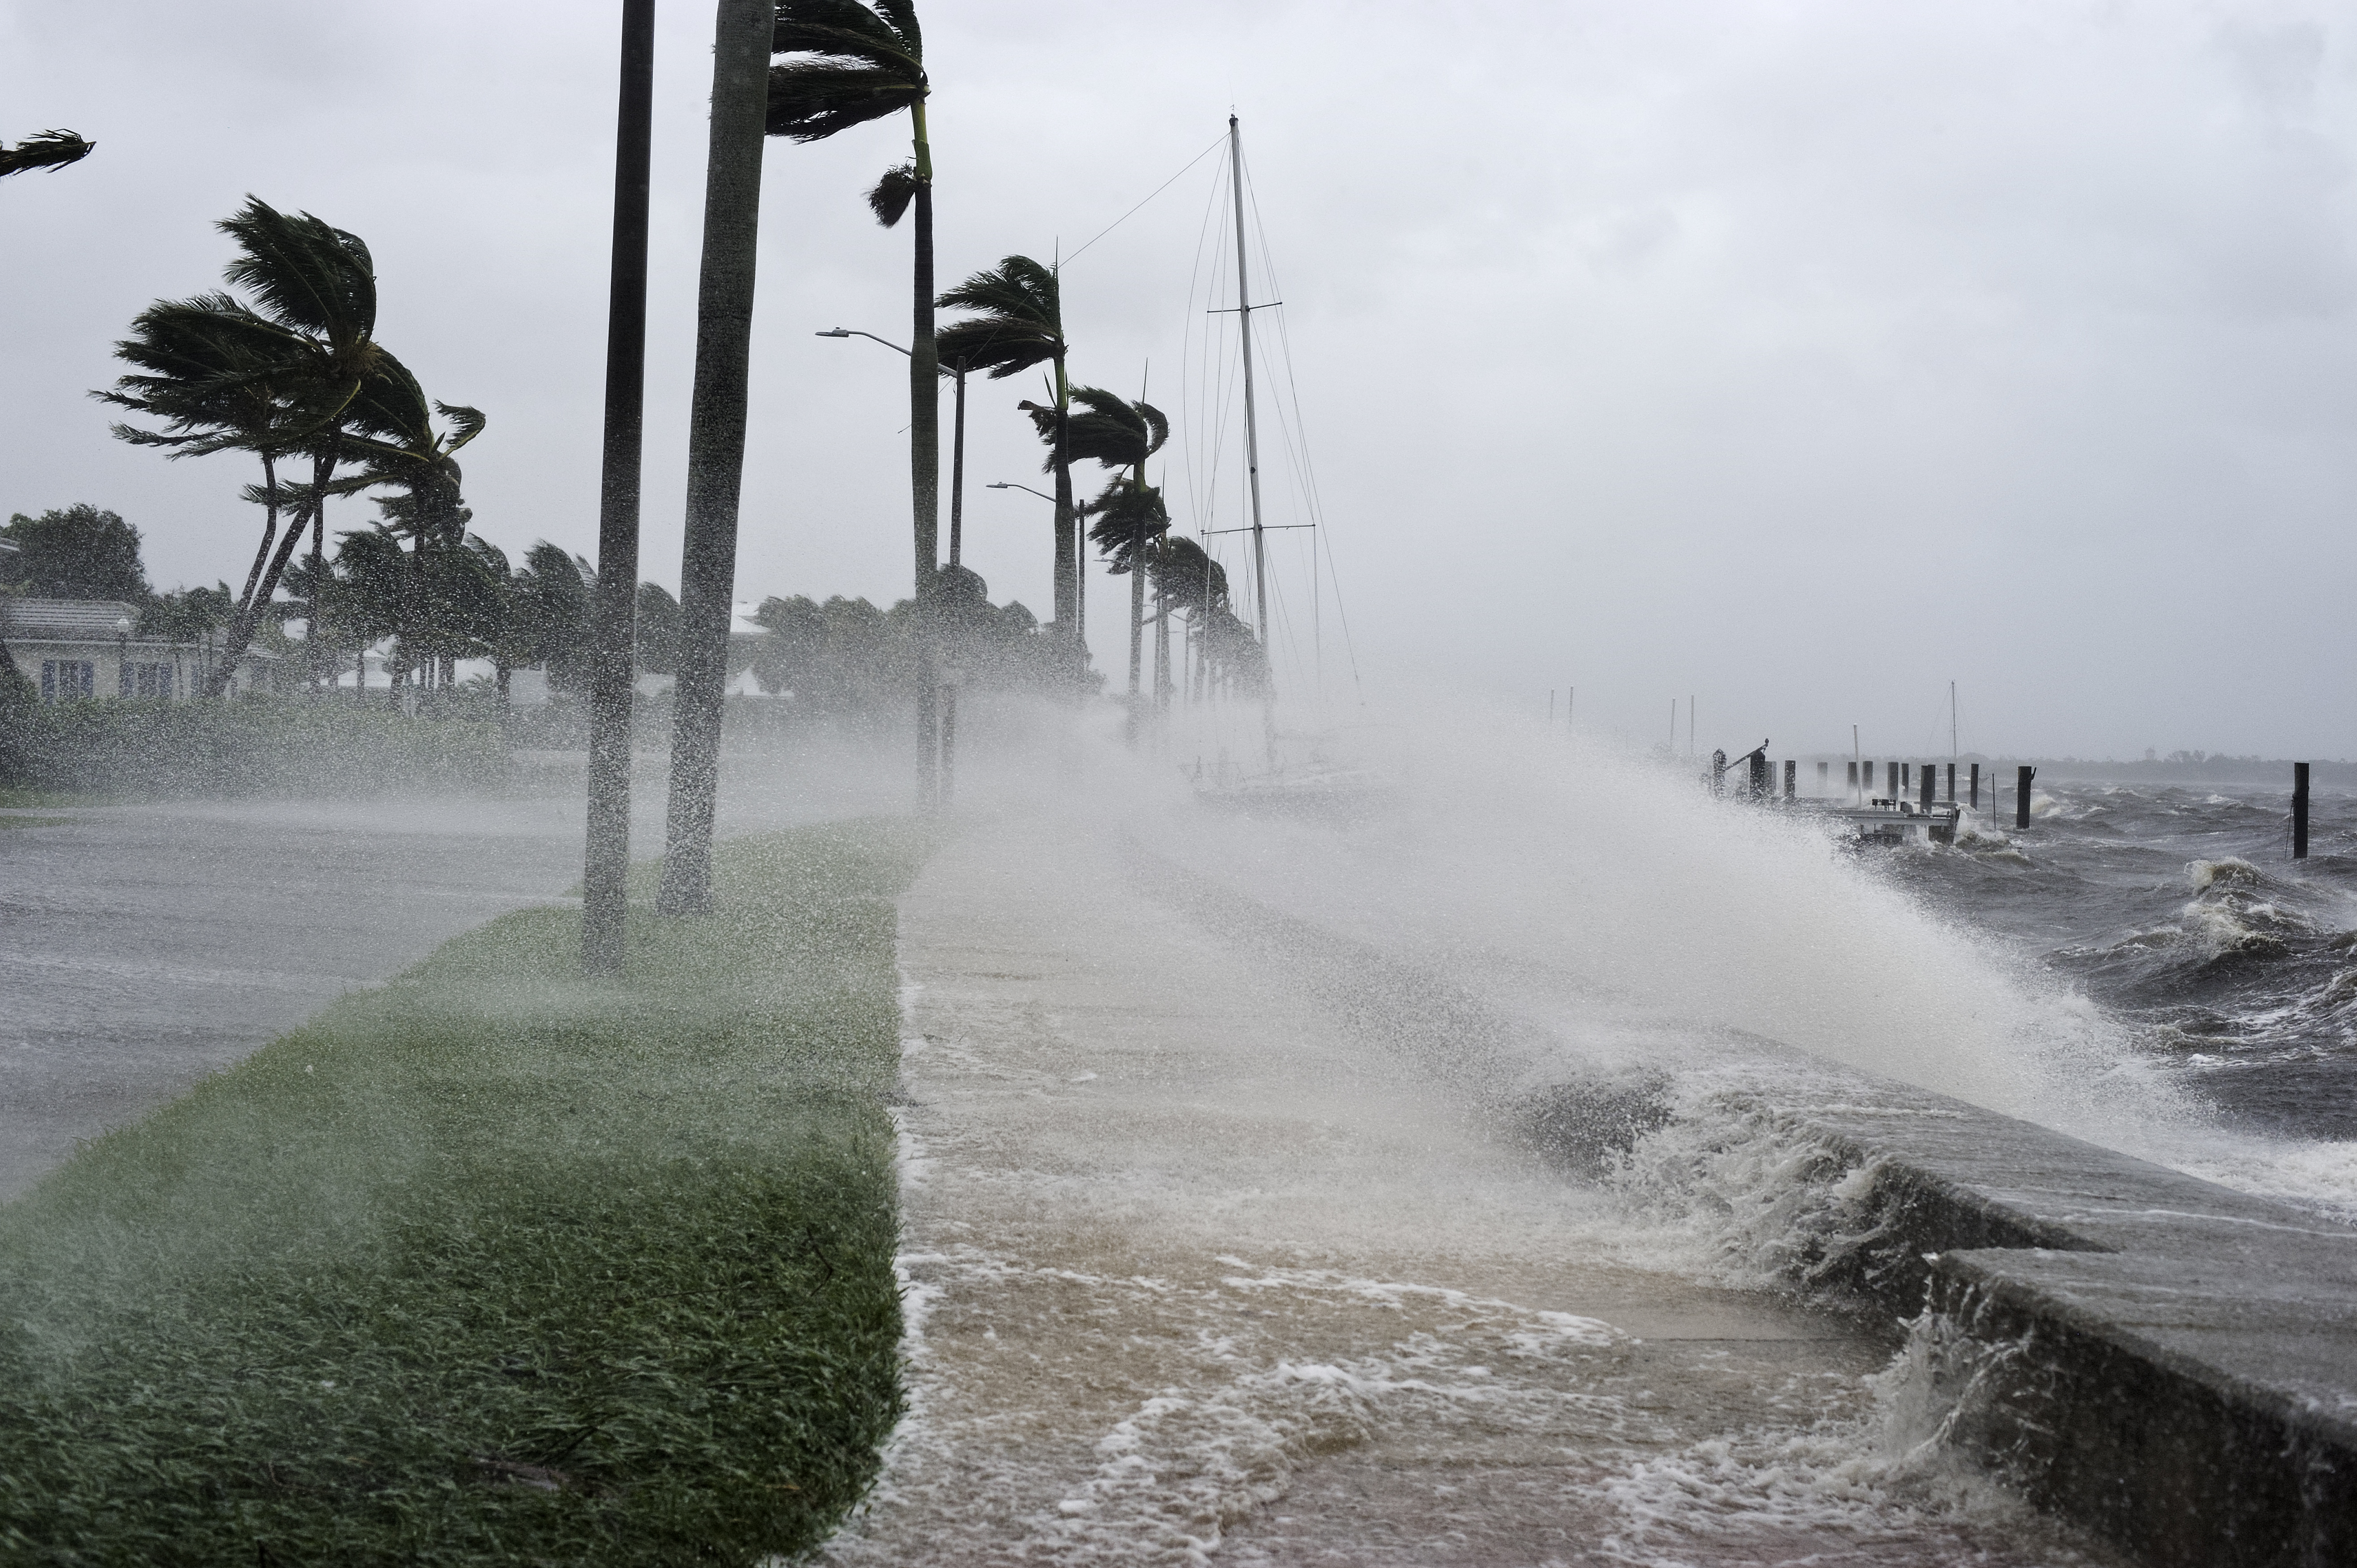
1251,421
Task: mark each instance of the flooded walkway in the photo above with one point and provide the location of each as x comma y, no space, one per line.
1194,1274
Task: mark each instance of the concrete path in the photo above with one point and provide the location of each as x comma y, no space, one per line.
1196,1273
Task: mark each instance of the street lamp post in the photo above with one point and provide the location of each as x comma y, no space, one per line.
957,543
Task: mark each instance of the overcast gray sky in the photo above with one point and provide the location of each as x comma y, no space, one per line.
1802,357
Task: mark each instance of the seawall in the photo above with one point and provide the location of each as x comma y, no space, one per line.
2164,1360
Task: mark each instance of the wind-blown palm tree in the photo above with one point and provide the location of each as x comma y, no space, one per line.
852,63
1019,322
1121,435
52,150
1188,580
274,376
715,442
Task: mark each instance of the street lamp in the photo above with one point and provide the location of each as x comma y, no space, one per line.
957,444
957,534
1079,576
123,656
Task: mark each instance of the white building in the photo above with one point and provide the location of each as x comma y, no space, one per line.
73,648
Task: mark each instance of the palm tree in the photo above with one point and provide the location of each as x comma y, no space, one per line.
852,63
274,376
605,848
1121,434
1187,579
52,150
716,444
1019,323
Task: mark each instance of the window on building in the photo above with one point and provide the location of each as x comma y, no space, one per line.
65,680
140,679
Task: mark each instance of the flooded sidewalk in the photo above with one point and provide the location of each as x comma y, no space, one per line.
1196,1275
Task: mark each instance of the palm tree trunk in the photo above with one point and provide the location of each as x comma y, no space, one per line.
258,594
1136,611
1161,643
716,444
269,526
605,882
1068,575
925,470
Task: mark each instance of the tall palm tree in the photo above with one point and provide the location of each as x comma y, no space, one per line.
1188,580
1019,322
716,444
1121,435
52,150
605,848
850,63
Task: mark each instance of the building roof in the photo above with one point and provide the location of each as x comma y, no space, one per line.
65,620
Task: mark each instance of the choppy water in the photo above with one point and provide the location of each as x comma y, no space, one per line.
2180,913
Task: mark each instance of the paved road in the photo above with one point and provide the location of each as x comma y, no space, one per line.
144,947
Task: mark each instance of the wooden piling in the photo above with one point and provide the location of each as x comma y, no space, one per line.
1793,778
1952,783
1925,777
2299,810
1977,786
2022,775
1825,776
1853,775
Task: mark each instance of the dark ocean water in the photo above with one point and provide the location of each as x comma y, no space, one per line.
2178,910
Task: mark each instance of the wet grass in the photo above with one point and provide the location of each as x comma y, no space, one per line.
491,1264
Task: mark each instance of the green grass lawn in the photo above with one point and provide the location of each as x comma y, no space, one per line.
493,1263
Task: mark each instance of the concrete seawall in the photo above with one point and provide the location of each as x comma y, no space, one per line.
2168,1361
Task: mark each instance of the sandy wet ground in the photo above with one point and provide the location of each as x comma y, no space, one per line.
1195,1273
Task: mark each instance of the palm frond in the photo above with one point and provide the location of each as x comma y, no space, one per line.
886,36
810,100
892,194
1110,429
52,150
304,273
1017,287
466,424
996,344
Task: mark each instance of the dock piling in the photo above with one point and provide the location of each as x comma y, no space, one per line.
2299,810
1926,777
1952,783
2022,775
1977,786
1793,778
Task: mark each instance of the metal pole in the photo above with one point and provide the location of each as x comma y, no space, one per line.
605,905
1252,418
1251,445
2299,810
